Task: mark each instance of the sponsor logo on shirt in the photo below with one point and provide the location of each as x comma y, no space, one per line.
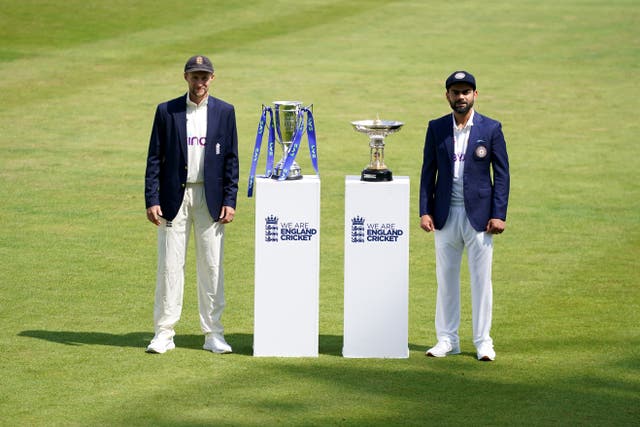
194,140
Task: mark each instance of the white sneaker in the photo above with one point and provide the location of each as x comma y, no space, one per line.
216,344
486,353
160,346
442,349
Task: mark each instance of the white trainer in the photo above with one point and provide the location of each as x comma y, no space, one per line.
216,344
486,353
442,349
159,346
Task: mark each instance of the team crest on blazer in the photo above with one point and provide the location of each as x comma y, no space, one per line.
481,151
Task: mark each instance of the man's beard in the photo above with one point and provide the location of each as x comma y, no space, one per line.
461,109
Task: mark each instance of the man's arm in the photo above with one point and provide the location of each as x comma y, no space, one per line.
154,157
231,167
501,178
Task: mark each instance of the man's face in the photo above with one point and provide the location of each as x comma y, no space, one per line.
461,97
198,82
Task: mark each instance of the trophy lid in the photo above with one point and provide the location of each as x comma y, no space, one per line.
377,127
295,103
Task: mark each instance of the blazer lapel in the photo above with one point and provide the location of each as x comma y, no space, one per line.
213,114
448,140
181,125
473,135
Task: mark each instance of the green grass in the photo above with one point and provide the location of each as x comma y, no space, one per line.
79,82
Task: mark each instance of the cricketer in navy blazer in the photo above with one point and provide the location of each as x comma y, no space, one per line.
166,174
486,172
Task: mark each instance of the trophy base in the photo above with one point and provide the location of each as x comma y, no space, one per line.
376,175
294,174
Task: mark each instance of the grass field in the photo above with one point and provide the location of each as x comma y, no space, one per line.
79,81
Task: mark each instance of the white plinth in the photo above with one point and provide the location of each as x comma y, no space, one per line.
287,267
376,268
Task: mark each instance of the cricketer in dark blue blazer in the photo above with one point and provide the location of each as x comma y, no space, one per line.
166,174
486,172
464,192
191,182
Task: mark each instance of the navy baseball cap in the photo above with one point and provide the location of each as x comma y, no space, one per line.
461,77
198,63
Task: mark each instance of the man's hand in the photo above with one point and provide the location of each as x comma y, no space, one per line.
226,214
154,213
426,223
495,226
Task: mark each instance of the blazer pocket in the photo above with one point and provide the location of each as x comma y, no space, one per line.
485,192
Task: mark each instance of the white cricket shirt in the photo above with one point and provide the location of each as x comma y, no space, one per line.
196,139
461,140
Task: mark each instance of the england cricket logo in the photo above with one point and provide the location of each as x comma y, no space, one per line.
374,232
357,229
271,229
278,230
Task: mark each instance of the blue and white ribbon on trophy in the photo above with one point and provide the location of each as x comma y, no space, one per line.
297,138
271,144
293,149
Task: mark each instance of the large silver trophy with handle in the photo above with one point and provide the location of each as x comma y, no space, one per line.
377,131
287,124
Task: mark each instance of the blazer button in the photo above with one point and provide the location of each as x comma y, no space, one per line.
183,185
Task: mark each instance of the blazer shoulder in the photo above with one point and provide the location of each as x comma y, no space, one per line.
175,105
440,125
441,121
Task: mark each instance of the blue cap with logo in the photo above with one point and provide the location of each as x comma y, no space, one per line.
198,63
461,77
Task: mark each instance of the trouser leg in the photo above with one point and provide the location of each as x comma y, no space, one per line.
173,238
449,248
209,240
480,255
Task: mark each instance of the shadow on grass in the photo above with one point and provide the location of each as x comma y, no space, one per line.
132,339
277,391
329,345
242,343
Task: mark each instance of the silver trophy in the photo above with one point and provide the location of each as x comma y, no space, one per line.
377,130
286,123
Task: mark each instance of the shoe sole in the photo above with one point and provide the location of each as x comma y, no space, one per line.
452,352
155,351
486,359
218,351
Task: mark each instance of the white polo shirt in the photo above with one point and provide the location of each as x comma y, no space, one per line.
196,139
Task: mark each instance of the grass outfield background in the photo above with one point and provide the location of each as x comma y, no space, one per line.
79,81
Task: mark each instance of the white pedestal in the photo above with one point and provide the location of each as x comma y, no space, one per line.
376,268
287,267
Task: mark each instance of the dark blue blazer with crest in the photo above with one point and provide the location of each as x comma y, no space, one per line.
166,174
486,172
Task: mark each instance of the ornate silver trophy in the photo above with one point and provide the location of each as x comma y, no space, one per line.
286,123
377,130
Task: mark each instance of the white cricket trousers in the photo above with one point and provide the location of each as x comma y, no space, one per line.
173,239
450,243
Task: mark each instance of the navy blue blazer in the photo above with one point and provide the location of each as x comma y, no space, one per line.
486,172
166,174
